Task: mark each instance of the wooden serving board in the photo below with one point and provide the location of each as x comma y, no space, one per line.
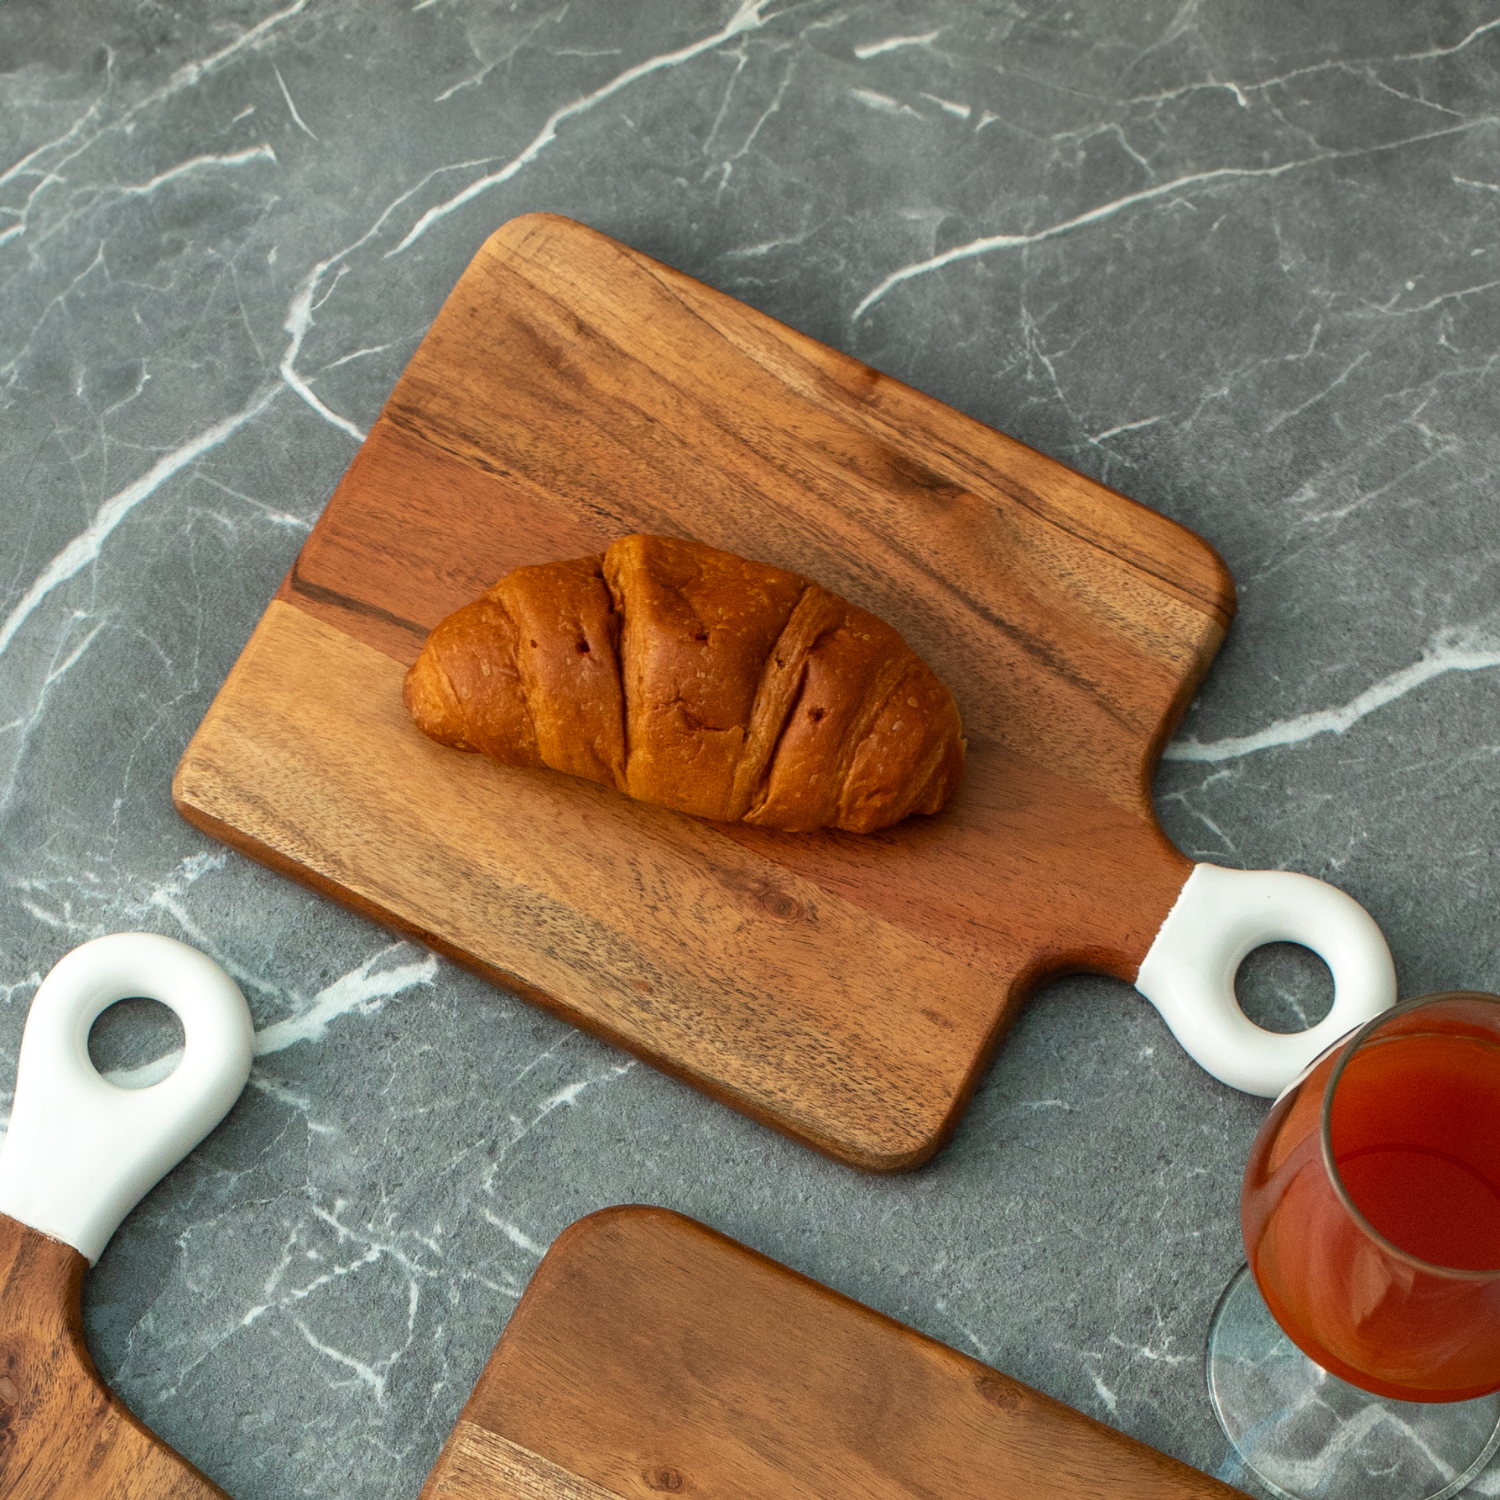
64,1435
845,989
651,1355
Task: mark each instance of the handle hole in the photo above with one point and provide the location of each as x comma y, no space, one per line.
135,1043
1284,987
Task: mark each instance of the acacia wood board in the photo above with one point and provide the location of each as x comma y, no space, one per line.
652,1355
64,1435
846,989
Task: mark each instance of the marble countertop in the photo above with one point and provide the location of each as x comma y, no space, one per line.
1242,263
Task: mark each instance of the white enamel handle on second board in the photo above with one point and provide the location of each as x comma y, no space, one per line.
80,1151
1219,917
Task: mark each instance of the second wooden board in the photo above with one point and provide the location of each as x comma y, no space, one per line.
651,1355
846,989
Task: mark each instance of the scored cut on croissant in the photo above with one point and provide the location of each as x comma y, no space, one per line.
692,678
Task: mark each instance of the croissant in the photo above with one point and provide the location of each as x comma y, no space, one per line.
692,678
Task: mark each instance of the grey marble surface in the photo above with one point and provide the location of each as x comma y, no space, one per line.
1242,262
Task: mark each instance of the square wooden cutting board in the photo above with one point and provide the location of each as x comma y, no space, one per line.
845,989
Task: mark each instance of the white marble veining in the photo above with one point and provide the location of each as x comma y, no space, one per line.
1455,650
1242,264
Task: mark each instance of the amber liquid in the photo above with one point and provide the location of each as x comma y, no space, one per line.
1415,1143
1415,1135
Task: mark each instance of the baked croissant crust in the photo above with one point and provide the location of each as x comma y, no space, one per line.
692,678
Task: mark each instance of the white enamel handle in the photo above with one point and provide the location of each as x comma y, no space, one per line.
1219,917
81,1152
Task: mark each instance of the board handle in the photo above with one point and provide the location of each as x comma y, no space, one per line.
81,1152
1219,917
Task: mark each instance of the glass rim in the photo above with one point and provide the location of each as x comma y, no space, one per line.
1350,1045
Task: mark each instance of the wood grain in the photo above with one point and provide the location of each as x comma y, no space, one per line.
477,1462
846,989
64,1435
651,1355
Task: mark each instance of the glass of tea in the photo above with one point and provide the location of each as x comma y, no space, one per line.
1358,1354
